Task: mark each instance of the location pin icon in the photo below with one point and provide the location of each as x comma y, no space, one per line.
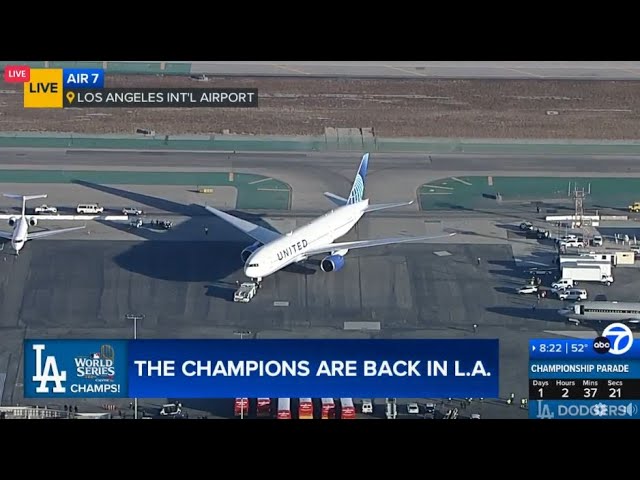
71,96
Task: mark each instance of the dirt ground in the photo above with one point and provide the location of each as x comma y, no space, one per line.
393,107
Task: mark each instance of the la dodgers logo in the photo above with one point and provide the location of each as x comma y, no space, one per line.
48,372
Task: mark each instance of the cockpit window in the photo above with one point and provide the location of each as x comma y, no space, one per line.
253,265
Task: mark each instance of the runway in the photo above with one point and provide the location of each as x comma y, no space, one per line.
428,69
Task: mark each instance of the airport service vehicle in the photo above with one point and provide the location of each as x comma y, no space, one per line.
624,312
347,410
566,238
367,405
284,409
245,292
528,289
526,226
263,407
44,209
305,409
576,294
597,241
21,223
132,211
241,407
587,274
413,409
635,208
328,408
273,251
562,284
136,223
475,416
85,208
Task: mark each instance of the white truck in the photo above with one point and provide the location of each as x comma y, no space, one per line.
587,273
42,209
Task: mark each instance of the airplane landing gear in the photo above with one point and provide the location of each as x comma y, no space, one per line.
257,281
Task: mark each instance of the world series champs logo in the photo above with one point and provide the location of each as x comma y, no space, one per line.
55,370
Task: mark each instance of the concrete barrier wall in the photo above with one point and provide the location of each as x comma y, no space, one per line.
320,143
134,68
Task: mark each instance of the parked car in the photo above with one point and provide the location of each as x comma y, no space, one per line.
413,409
541,271
528,289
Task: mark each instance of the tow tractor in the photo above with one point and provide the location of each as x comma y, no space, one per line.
245,292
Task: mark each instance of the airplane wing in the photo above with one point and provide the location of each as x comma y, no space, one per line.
48,233
367,243
384,206
38,217
7,235
261,234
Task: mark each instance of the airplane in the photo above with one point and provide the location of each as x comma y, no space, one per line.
20,224
273,251
602,312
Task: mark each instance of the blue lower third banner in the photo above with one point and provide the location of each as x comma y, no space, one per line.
262,368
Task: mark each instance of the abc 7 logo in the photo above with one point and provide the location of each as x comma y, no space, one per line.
617,339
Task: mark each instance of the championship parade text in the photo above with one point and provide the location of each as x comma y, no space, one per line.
306,368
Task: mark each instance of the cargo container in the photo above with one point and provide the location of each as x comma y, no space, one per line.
305,409
263,407
348,411
328,408
241,407
284,409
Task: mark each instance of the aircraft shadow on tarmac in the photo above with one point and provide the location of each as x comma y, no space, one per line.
213,261
540,312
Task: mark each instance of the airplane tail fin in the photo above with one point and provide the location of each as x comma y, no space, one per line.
24,199
357,190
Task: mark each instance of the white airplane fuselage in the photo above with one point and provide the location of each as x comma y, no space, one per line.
291,248
20,233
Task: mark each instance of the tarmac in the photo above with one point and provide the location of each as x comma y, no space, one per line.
430,69
182,280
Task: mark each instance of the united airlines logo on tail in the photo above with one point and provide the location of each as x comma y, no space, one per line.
48,372
357,190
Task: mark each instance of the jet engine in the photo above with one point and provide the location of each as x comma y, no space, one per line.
33,222
246,253
332,263
12,221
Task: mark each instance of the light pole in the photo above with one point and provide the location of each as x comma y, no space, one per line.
242,333
135,318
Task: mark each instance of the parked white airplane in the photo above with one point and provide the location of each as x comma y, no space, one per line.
273,251
20,224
